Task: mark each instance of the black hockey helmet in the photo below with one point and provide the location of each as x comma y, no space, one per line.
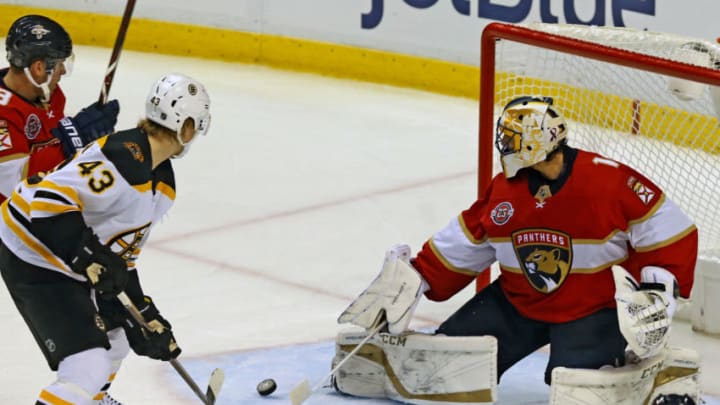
34,37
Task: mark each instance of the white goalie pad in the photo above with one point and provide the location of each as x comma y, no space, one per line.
679,379
669,376
418,368
628,385
705,311
643,316
395,293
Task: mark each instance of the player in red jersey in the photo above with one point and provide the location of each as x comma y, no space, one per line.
562,223
35,135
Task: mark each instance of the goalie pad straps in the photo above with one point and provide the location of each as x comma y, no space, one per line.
643,315
394,292
672,375
419,368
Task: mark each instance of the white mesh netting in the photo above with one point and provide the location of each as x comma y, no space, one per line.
628,114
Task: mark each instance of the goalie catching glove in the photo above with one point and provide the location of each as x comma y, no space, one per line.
158,343
645,311
105,270
89,124
393,295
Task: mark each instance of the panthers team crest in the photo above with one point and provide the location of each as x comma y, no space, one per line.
545,257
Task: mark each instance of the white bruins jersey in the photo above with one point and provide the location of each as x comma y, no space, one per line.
111,183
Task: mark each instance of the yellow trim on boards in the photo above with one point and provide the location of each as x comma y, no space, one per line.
350,62
273,50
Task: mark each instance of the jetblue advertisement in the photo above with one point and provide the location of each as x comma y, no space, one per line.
441,29
589,12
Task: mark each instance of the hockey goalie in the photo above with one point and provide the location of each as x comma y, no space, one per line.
593,257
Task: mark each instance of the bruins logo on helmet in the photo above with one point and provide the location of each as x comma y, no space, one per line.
545,257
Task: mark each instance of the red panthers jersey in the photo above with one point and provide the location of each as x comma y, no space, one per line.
556,241
26,144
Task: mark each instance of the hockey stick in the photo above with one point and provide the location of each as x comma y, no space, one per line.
216,378
110,73
302,391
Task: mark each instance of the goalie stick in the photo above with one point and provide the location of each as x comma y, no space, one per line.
302,391
217,377
115,56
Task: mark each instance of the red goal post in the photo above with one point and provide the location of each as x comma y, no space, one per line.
614,86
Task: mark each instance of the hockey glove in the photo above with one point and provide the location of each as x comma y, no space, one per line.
159,343
658,281
105,270
88,125
645,311
393,294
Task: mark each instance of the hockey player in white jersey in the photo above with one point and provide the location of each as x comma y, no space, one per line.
70,240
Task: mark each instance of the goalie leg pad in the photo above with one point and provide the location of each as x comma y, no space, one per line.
669,378
627,385
678,382
364,374
419,368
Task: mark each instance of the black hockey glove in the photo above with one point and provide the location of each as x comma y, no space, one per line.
158,344
106,271
88,125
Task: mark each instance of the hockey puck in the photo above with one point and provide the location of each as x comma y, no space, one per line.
266,387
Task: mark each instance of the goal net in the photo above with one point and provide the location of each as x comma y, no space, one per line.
646,99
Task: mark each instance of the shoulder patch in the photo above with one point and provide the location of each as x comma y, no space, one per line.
135,151
5,138
502,213
129,151
32,126
644,193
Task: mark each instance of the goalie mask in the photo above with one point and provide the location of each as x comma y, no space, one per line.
528,130
175,98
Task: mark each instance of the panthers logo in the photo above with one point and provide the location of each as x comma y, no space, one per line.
545,257
546,269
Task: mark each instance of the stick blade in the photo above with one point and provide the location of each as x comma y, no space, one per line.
300,393
217,378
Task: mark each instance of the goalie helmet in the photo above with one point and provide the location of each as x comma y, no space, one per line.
528,130
173,99
35,37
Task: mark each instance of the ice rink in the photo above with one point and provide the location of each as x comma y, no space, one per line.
282,217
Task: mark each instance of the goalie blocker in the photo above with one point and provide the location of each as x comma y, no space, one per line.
418,368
